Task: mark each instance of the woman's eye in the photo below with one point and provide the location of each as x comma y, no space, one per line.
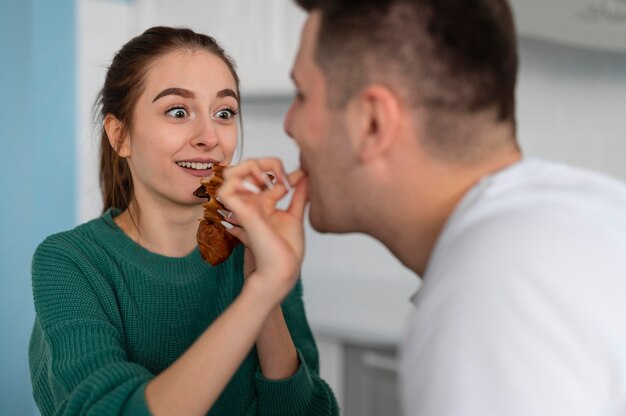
177,112
226,114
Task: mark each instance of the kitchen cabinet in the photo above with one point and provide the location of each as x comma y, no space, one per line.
358,324
371,383
363,375
589,24
261,36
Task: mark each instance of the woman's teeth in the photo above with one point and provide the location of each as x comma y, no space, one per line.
194,165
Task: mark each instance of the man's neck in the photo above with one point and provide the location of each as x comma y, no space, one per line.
417,218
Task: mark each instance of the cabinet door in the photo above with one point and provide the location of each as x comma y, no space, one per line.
371,381
261,36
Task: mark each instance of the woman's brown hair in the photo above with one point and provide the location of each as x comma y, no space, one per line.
124,84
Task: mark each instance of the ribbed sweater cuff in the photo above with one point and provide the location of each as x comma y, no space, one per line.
136,404
290,396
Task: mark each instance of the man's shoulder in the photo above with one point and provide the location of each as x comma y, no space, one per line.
536,186
546,230
540,202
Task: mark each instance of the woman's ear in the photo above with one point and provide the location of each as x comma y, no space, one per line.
118,138
375,121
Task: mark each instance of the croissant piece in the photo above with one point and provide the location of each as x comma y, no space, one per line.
215,243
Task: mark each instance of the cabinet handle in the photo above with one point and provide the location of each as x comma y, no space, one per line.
379,361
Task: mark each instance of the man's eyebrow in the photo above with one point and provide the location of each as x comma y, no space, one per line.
175,91
227,93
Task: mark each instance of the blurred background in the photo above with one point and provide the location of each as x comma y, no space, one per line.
53,55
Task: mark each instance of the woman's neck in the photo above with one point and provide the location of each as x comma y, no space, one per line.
169,232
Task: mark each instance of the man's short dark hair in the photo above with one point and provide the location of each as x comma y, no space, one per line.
453,57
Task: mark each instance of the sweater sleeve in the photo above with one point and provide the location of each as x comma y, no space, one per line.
77,360
304,393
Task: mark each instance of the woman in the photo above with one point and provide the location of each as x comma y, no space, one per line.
130,319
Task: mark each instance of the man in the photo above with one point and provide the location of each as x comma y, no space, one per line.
405,119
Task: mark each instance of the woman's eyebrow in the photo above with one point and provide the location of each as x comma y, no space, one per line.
227,93
175,91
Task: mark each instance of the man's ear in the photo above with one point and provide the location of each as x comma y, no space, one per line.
117,134
375,121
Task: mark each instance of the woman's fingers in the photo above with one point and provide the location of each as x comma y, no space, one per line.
237,231
254,177
263,173
247,207
300,196
252,204
281,189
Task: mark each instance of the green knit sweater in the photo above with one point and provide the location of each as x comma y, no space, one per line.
110,315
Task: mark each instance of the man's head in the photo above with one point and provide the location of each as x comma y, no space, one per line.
453,57
442,70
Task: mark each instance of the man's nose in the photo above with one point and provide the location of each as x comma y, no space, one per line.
288,123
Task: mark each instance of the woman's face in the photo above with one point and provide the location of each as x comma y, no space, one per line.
184,121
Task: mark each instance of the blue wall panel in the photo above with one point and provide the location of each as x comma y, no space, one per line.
37,160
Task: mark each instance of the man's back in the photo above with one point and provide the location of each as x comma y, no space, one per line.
521,311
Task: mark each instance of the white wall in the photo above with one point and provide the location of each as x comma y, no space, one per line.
102,27
571,105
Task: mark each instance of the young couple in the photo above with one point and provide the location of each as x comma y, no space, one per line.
413,101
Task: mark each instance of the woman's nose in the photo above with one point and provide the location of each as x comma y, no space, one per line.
206,135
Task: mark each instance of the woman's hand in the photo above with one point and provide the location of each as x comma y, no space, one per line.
274,237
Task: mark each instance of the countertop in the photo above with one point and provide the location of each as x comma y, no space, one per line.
369,311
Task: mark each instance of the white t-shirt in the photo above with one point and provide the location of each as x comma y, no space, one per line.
522,310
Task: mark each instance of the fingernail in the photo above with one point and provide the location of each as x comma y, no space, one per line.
226,224
225,214
217,198
268,182
250,187
272,177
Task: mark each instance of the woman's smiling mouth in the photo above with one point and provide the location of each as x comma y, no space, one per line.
199,169
195,165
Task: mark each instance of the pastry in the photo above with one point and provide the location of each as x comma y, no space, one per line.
215,243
